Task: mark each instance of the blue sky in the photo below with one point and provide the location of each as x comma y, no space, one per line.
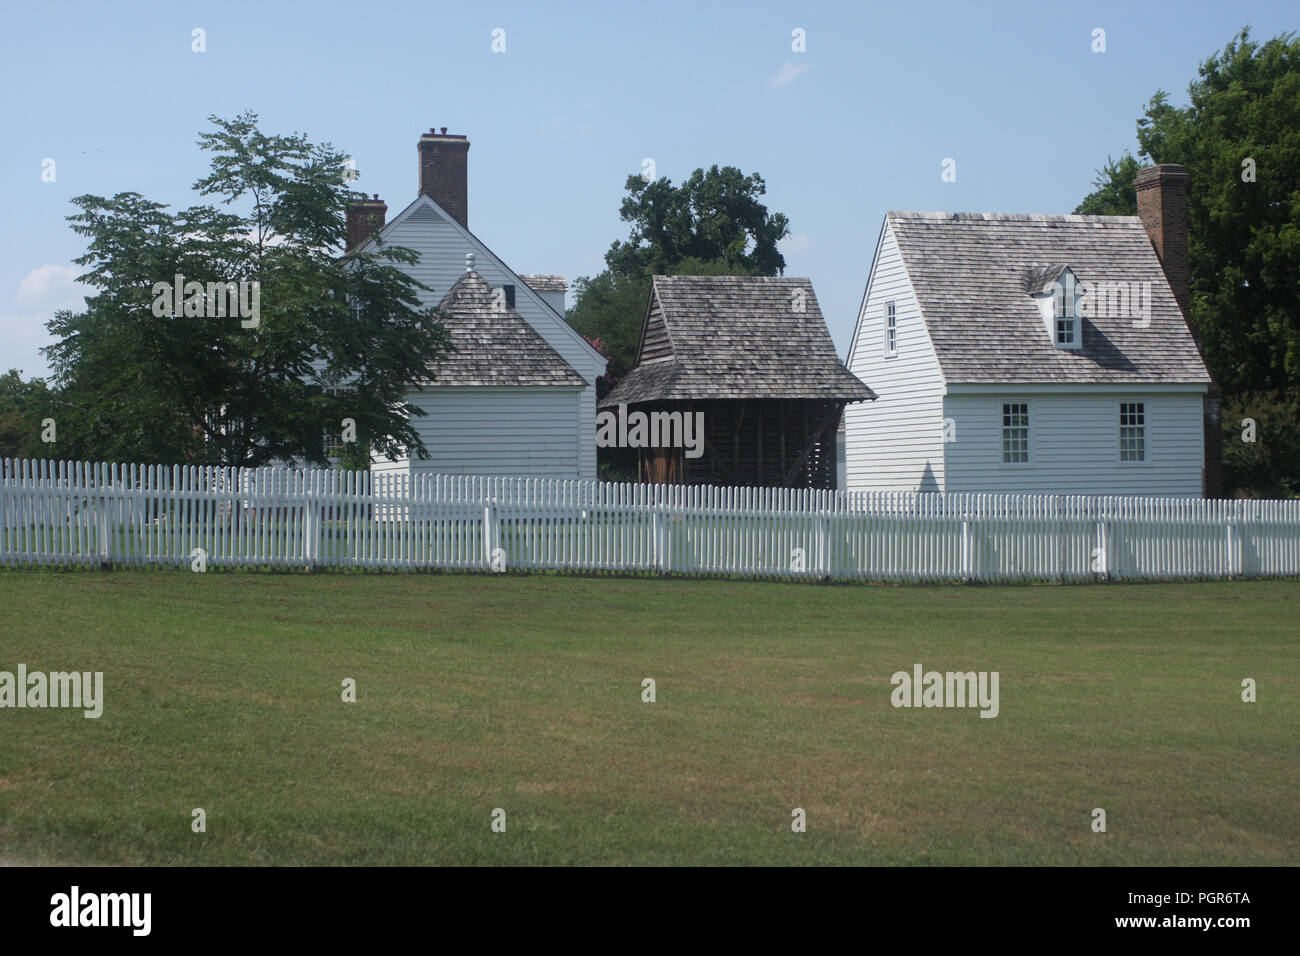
858,124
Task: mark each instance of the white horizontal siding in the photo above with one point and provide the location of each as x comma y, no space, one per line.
442,246
1074,444
896,442
495,431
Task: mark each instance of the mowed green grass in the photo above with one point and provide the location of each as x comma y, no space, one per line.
523,692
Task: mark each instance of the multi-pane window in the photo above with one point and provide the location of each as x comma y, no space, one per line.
1066,321
1015,432
1132,431
891,329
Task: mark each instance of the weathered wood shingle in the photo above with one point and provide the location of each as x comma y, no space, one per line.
545,283
973,274
741,337
494,345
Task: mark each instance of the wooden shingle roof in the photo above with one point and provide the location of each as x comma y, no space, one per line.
494,345
545,283
974,276
738,337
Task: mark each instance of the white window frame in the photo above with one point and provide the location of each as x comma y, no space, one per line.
1141,427
891,329
1003,428
1064,313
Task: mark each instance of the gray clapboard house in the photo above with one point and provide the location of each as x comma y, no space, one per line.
1033,353
519,396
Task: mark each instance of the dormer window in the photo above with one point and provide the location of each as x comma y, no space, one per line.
1057,291
1067,323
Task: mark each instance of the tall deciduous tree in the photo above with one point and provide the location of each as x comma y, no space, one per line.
1115,193
714,223
23,407
714,216
334,336
1238,139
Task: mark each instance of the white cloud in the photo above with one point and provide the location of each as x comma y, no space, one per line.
42,292
52,287
20,338
798,242
788,73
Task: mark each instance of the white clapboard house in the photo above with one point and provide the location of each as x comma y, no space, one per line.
1032,353
518,397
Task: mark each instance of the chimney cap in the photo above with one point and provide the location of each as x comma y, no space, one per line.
1148,175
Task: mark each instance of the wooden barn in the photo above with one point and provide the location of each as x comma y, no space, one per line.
752,354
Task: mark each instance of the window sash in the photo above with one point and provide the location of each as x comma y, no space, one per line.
1132,431
891,329
1015,433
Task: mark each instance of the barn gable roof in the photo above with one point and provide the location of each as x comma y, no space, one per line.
494,346
739,337
975,275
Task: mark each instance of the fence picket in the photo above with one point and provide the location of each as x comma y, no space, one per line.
80,513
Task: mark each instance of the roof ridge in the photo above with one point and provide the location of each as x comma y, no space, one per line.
1005,216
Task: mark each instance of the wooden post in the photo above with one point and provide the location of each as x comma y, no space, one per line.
1103,546
491,538
310,531
104,529
1060,538
827,560
662,558
965,543
1227,542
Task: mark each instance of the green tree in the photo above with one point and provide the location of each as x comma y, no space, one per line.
1262,464
713,224
23,405
1115,194
337,336
714,216
1239,137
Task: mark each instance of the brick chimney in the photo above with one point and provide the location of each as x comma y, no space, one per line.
1162,206
365,218
443,172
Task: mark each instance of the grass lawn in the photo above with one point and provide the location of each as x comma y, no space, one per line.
223,691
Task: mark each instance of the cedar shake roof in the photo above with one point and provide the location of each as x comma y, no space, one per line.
974,274
545,283
494,347
735,337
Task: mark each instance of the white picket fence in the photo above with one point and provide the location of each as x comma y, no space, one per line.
77,513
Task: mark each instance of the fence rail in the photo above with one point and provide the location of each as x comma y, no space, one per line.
79,513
